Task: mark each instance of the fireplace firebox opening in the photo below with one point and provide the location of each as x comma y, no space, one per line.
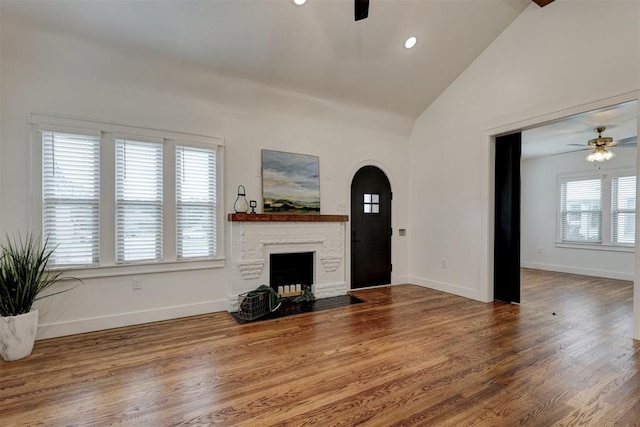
287,269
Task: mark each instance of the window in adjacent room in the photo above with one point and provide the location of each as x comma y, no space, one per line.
581,211
598,210
624,210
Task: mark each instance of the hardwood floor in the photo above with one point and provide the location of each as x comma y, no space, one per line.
407,356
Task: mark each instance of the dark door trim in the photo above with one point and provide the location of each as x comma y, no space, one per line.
506,253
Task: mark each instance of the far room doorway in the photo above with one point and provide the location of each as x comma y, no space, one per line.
370,228
569,211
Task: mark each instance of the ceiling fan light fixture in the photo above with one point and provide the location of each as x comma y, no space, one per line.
411,42
299,2
600,154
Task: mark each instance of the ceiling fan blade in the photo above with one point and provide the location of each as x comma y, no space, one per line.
570,151
627,145
361,9
576,145
542,3
631,141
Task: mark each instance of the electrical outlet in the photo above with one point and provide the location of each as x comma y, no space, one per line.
539,249
136,283
445,263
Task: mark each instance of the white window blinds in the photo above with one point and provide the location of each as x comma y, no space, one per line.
71,197
195,202
581,211
139,201
624,210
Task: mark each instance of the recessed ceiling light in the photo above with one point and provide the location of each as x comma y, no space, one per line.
411,42
299,2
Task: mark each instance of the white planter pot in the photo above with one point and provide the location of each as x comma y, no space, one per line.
17,335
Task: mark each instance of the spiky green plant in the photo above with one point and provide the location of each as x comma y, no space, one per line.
306,296
24,275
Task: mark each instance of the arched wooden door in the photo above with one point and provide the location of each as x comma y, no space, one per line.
370,228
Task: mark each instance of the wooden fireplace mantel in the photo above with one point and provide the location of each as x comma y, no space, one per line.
286,217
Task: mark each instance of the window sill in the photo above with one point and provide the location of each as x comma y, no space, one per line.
595,247
134,269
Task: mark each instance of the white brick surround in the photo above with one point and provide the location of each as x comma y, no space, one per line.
252,243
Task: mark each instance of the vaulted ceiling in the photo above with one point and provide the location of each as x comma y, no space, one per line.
316,48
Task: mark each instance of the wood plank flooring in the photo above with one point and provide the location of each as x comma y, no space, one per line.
407,356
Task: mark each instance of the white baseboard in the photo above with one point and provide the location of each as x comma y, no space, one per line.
401,280
70,327
445,287
609,274
374,287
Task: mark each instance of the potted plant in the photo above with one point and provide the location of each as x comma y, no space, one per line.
23,278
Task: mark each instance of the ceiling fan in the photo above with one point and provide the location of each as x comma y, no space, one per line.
601,145
361,7
542,3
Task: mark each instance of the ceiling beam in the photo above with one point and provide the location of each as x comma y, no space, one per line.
361,9
542,3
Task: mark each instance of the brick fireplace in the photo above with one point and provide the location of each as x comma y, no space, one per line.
255,237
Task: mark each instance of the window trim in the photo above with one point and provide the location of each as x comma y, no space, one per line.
606,207
108,132
595,247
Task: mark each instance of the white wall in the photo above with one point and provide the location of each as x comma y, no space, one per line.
539,203
52,73
2,233
550,62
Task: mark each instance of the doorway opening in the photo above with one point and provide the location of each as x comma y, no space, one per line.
575,215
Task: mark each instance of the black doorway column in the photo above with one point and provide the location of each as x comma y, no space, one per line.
506,255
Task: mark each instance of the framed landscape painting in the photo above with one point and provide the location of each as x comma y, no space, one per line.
290,183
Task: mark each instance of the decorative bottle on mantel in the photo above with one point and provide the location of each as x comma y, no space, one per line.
241,205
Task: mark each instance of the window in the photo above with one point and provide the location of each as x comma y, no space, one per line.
117,199
196,202
598,210
71,197
581,213
139,204
371,203
624,209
